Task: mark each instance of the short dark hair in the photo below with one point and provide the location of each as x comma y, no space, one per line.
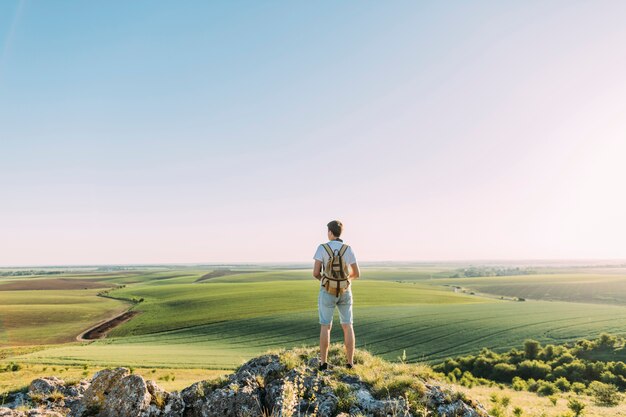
336,227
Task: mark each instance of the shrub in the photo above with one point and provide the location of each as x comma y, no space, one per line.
604,394
519,384
483,366
449,365
503,372
533,369
547,388
497,411
607,340
56,396
531,348
565,358
608,377
576,406
562,384
13,367
533,385
578,387
345,397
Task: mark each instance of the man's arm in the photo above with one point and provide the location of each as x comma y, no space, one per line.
317,270
354,271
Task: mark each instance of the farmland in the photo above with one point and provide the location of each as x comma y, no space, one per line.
600,286
51,316
195,318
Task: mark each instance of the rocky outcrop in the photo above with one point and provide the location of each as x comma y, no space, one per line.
264,386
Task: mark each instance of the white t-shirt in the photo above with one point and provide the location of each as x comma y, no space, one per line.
322,256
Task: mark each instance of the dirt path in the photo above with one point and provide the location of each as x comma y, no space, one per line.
100,330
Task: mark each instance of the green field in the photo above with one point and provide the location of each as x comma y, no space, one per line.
223,320
51,316
595,286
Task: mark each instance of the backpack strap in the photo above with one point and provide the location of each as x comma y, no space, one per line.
329,251
342,272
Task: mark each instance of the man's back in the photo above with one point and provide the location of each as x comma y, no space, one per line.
321,255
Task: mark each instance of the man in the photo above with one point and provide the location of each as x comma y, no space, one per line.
326,302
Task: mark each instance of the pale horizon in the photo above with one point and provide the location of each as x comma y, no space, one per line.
161,133
592,263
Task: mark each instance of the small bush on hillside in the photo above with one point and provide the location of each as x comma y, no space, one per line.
519,384
547,388
604,394
533,369
11,367
562,384
576,406
503,372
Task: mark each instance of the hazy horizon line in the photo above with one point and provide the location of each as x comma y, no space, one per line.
564,261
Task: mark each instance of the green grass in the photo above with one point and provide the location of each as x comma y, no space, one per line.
175,306
427,332
219,323
43,317
582,287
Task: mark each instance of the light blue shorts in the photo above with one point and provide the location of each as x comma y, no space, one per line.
326,305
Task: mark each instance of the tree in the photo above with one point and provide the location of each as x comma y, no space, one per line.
531,349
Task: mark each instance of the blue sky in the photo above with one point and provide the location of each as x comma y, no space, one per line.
153,131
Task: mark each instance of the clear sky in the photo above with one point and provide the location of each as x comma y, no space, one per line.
195,131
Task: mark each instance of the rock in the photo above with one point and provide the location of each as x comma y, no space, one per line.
46,385
262,386
16,400
447,406
115,392
43,413
8,412
76,390
302,391
128,397
367,404
163,403
194,396
94,397
241,394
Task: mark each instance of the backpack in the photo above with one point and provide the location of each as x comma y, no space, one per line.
335,275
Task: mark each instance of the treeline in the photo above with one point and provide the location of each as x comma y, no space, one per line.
22,272
546,370
485,271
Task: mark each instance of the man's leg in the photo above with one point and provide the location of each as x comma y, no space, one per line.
324,342
348,341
